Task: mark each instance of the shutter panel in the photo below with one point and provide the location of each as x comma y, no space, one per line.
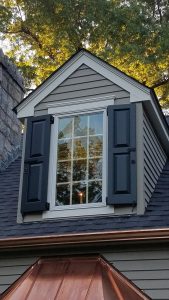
36,163
122,184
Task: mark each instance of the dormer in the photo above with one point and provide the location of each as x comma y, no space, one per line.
96,142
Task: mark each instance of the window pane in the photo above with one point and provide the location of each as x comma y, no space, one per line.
96,124
79,193
63,171
95,192
80,148
65,128
63,194
64,149
95,146
79,159
95,168
80,125
79,169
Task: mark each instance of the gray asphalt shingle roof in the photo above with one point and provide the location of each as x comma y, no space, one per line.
156,215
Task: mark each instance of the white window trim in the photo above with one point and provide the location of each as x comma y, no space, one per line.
79,209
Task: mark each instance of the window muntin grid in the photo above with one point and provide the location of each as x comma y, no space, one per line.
79,159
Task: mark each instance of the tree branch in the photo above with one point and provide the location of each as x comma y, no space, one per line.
35,38
160,82
11,32
159,10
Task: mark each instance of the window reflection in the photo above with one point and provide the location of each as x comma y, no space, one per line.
79,169
79,193
95,146
79,159
63,194
95,192
65,128
80,125
64,171
95,168
96,124
64,149
80,148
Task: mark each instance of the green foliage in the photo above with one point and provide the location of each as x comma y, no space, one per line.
132,35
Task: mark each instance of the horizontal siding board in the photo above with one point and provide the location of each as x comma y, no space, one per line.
139,255
152,154
83,66
148,269
42,107
158,295
85,86
149,183
147,190
141,265
15,270
84,79
153,136
146,197
150,177
23,261
87,93
154,147
84,72
3,287
8,279
12,268
84,83
140,275
154,158
159,284
150,166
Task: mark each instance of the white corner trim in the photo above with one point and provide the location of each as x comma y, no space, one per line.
138,92
140,159
19,215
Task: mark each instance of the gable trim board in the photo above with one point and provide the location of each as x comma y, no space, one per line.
83,57
138,92
110,237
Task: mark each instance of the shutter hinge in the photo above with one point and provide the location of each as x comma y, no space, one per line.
51,120
47,206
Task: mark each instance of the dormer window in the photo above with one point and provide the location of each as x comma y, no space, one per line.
92,161
79,159
89,148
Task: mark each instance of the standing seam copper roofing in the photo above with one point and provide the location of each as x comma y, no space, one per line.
73,278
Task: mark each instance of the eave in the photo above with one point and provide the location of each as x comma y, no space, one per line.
90,239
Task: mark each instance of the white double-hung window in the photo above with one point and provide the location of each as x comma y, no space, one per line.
78,164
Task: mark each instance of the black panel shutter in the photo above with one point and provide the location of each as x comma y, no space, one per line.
36,164
122,182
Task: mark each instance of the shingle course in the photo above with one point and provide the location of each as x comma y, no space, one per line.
156,215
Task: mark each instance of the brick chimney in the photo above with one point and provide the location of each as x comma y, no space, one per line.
11,93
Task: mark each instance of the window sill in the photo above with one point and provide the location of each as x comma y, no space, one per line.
78,210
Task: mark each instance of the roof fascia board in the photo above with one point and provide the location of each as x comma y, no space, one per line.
125,236
96,64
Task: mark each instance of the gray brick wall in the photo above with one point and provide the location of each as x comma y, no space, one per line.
11,93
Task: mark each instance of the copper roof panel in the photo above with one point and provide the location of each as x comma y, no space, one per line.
81,278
